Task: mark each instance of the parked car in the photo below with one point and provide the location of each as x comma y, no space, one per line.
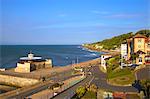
134,65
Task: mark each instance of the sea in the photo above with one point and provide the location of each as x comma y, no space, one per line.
61,55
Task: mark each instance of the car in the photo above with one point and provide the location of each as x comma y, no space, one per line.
134,65
55,93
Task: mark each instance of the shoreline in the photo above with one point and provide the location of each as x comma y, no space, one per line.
112,52
47,72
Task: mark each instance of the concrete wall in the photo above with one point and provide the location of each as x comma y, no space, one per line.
17,81
23,67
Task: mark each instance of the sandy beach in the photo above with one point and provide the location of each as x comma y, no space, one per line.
47,72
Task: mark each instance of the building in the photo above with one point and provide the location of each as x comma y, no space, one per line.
103,60
31,63
139,45
124,51
119,95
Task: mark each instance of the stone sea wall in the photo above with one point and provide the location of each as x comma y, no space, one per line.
17,81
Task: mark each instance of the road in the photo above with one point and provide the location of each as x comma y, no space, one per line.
101,82
24,92
143,73
71,91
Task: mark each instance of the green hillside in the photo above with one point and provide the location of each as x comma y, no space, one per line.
114,42
144,32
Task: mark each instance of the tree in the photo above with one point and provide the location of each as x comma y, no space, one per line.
146,88
93,88
133,57
80,91
144,32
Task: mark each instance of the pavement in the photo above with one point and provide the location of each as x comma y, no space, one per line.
101,82
143,73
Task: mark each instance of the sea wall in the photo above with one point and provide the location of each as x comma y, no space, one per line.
17,81
88,63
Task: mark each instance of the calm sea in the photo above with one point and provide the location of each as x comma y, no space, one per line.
60,54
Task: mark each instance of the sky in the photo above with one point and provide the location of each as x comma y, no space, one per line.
58,22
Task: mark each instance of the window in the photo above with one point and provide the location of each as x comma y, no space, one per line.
148,45
140,59
139,40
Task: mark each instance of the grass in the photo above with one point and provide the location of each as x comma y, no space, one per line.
123,80
89,95
116,75
119,73
121,77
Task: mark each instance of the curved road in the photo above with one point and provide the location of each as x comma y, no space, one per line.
143,73
71,91
101,82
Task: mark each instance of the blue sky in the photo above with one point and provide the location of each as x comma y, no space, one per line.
70,21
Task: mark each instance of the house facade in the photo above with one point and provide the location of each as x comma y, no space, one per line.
124,51
139,46
103,59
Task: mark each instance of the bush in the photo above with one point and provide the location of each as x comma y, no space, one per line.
80,91
89,95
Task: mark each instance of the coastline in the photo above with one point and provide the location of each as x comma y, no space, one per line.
112,52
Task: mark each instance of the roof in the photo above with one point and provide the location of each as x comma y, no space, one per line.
37,60
139,36
140,52
107,58
33,58
119,95
148,39
124,42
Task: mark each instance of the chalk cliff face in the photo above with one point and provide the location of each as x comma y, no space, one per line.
17,81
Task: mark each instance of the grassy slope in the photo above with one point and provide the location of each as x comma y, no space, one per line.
115,75
115,42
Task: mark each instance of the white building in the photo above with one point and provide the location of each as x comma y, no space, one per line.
103,61
31,63
124,52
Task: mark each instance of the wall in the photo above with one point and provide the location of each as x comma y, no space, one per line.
139,44
17,81
23,67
